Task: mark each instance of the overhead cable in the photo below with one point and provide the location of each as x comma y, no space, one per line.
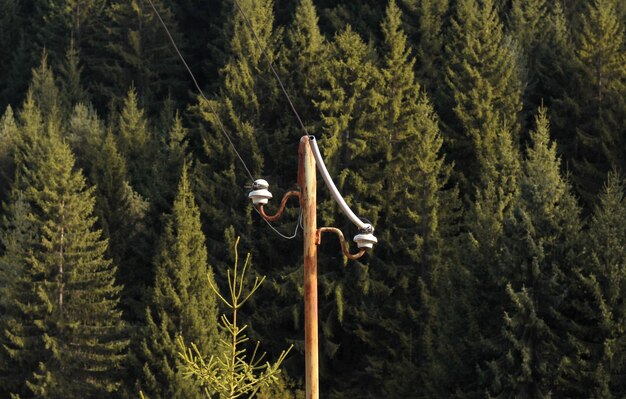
211,108
271,63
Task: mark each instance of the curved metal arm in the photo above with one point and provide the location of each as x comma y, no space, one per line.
344,243
283,202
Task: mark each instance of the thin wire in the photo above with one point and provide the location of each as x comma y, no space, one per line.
212,109
271,63
295,232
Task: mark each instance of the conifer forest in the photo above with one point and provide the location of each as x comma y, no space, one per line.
485,140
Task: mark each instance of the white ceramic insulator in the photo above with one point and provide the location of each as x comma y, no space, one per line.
365,240
260,195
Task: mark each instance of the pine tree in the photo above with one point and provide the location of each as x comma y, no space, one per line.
596,366
483,87
540,235
181,304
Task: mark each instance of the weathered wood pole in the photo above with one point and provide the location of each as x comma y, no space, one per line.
308,196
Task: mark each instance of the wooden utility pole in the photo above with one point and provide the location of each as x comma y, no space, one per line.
308,195
307,181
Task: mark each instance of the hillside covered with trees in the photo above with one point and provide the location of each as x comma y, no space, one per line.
484,139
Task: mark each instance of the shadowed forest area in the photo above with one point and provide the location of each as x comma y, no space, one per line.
484,139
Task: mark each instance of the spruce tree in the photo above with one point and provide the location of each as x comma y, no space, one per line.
64,325
483,87
8,138
537,253
21,342
70,80
596,365
431,17
600,97
527,25
45,91
137,143
139,53
181,304
120,209
68,23
416,217
556,75
82,327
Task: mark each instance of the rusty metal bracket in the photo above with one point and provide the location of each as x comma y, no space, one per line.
283,202
344,244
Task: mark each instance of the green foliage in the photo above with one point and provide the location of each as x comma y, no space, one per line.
138,54
181,302
413,102
232,373
535,266
597,361
601,103
65,320
483,88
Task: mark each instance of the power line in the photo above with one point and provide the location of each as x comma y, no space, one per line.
295,232
217,117
219,121
271,63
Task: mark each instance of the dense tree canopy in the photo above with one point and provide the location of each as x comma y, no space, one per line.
484,139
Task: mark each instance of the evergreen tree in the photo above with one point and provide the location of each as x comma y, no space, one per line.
9,36
556,75
120,209
82,327
428,18
21,343
139,53
8,138
45,91
64,319
596,365
304,51
72,91
68,23
417,212
478,280
137,144
600,97
482,92
540,235
527,24
181,304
